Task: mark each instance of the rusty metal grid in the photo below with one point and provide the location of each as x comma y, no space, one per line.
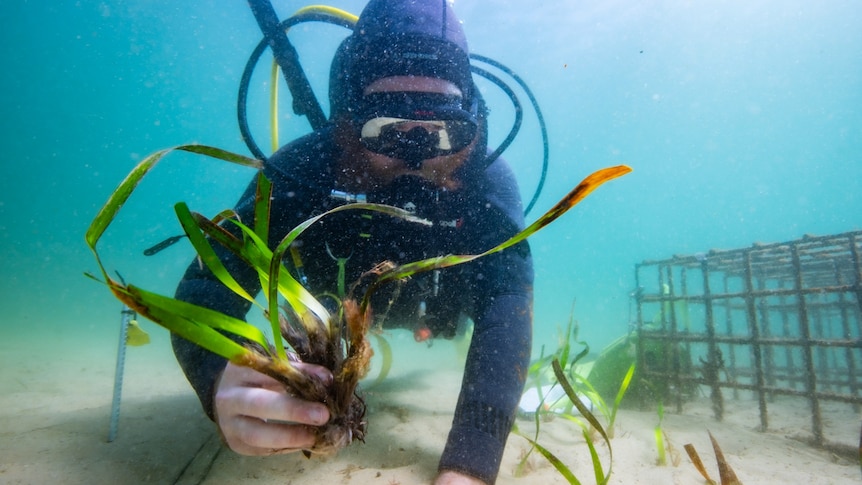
769,319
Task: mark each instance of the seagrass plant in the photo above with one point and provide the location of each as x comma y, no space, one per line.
336,341
565,374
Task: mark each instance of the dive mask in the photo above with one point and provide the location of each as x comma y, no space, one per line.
415,126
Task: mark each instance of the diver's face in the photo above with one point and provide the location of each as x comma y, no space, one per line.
440,169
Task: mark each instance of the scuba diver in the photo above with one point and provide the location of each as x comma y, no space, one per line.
407,127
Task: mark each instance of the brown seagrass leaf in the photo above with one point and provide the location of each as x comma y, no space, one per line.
698,464
725,472
589,184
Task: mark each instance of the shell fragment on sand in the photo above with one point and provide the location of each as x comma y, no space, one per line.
556,401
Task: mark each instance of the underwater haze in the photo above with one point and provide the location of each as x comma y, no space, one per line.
742,122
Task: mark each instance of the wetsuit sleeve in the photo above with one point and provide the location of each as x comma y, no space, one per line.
200,286
499,353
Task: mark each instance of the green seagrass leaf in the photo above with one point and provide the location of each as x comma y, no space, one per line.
119,197
559,465
206,253
262,206
195,323
573,396
121,194
302,300
583,189
598,472
222,154
624,386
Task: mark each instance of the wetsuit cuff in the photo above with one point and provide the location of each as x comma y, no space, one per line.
472,452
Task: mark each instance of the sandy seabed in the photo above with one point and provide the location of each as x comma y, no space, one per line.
55,412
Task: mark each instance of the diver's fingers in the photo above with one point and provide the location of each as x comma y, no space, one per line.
258,421
235,375
268,405
251,436
244,392
321,372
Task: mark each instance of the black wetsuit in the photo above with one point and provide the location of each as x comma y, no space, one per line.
495,291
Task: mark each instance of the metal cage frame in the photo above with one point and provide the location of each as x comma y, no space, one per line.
771,319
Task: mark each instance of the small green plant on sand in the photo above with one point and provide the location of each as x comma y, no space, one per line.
662,442
591,425
609,411
659,437
336,341
540,373
568,374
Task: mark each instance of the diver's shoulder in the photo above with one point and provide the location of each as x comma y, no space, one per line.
499,172
500,188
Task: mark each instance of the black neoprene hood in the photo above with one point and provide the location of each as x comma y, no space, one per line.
400,38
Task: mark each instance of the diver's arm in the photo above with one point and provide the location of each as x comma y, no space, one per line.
494,376
499,356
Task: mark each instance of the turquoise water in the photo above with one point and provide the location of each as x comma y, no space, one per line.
741,120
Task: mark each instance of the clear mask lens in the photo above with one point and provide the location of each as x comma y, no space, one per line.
416,126
385,127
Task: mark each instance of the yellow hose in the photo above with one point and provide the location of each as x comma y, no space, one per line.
330,11
273,94
386,363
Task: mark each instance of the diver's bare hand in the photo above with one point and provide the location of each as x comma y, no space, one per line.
448,477
257,417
